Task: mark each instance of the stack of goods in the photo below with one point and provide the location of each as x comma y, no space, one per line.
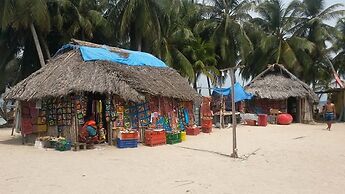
120,110
127,139
140,115
194,130
47,141
163,122
173,137
33,118
62,144
155,137
206,125
188,109
206,122
80,107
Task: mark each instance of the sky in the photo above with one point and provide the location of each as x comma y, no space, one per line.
202,82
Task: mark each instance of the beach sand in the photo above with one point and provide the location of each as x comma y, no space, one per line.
275,159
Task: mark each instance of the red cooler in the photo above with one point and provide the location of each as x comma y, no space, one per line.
262,120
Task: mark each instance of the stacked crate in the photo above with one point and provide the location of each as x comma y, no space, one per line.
193,130
173,138
154,138
127,140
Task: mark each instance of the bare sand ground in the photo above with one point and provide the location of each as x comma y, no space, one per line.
286,159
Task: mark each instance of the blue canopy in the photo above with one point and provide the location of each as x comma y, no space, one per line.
240,93
133,58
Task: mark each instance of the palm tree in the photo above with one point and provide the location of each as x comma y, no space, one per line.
179,46
274,42
82,19
232,42
312,25
9,47
203,58
339,47
136,21
26,15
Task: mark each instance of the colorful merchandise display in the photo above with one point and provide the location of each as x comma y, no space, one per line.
33,118
80,106
91,117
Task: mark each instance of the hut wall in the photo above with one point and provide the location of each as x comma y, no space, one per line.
307,111
340,105
264,105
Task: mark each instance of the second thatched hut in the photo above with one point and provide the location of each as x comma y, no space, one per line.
277,88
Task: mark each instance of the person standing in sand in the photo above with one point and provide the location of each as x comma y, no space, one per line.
329,113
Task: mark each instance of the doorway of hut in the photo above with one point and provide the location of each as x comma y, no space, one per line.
96,110
293,109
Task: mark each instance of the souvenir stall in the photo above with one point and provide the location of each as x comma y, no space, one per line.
162,120
123,99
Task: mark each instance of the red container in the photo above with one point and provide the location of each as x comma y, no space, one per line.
262,120
284,119
153,138
206,124
207,130
129,136
193,130
251,122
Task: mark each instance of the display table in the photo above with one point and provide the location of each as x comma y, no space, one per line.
227,117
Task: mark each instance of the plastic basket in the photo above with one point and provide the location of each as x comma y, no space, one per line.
133,143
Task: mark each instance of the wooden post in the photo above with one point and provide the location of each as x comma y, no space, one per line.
234,122
221,116
76,123
109,125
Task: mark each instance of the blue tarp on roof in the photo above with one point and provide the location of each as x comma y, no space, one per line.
240,93
133,58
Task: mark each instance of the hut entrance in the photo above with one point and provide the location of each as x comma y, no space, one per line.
293,108
96,108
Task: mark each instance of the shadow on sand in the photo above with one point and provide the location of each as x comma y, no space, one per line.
202,150
12,140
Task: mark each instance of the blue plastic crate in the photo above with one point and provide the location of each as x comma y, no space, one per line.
133,143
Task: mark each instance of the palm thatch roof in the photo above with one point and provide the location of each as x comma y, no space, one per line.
276,82
66,73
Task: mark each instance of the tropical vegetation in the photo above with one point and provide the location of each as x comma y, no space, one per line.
194,37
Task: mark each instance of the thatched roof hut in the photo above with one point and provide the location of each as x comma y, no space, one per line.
276,82
67,72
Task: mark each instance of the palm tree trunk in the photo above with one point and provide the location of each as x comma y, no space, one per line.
195,85
45,46
279,51
140,44
209,86
37,44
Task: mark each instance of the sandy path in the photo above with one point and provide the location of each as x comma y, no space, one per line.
288,159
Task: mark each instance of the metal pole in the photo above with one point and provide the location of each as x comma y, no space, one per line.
234,122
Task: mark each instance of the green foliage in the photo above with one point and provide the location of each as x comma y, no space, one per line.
191,37
339,47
